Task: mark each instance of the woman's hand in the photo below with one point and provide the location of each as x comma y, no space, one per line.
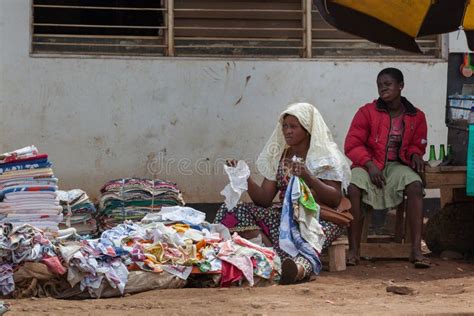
417,163
231,163
299,169
375,174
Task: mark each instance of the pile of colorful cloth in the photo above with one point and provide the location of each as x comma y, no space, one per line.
177,252
28,190
131,199
24,244
78,211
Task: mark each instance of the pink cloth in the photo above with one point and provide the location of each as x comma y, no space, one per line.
54,265
244,242
230,274
395,138
230,221
243,263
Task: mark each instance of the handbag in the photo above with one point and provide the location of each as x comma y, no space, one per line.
339,216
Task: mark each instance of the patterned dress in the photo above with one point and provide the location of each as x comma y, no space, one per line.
248,216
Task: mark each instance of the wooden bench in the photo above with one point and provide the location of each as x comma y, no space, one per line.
451,182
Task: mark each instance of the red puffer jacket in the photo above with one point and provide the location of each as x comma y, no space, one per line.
368,135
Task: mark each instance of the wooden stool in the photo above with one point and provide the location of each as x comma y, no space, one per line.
397,246
337,255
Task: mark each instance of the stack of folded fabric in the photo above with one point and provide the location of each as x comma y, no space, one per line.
28,190
132,199
79,212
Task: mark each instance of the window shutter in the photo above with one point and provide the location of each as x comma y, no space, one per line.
238,28
210,28
110,27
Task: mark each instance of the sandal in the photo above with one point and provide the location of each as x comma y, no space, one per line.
423,263
352,261
420,263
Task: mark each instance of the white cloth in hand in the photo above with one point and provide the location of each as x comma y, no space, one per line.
238,176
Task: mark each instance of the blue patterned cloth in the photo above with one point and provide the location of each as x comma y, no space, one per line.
290,238
24,165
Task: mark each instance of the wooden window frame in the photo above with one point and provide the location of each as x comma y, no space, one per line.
306,46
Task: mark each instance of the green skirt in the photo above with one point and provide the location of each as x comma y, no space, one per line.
397,177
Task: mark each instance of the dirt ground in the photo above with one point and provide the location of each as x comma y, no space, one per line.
446,288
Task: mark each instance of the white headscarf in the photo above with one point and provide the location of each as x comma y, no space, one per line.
324,159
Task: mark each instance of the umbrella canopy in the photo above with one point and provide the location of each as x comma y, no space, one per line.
468,25
449,15
397,23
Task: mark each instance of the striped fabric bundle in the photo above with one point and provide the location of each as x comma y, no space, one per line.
28,190
133,198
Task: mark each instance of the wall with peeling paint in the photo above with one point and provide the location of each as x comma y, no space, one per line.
177,119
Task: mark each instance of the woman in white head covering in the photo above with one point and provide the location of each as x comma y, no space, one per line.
302,133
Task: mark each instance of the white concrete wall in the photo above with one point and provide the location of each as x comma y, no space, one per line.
100,119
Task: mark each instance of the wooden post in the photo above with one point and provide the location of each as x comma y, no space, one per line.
400,223
446,195
307,28
170,30
164,33
367,221
407,228
32,30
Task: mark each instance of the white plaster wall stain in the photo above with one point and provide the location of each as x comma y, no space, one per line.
211,73
230,73
43,105
247,80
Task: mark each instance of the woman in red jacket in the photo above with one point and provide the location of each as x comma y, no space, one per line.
386,143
